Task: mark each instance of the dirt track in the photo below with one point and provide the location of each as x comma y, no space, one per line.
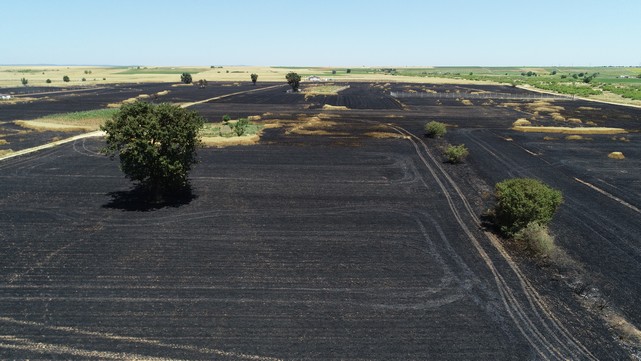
311,247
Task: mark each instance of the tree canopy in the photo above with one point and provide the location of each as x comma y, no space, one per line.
156,144
185,78
293,79
254,78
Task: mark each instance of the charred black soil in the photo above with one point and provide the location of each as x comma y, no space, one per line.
345,238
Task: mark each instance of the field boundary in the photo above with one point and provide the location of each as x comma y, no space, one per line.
484,95
97,133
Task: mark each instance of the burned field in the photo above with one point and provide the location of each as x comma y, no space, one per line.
341,235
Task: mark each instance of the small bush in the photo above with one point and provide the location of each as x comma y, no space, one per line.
24,81
435,129
226,118
241,126
48,81
456,153
521,201
83,79
65,79
536,238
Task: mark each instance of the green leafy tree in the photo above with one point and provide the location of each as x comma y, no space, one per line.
48,81
185,78
293,80
348,71
65,79
521,201
333,72
156,144
24,81
254,78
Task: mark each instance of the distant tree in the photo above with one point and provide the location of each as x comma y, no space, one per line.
293,80
185,78
581,75
348,71
48,81
83,79
553,72
254,78
156,144
563,76
24,81
575,76
65,79
202,83
333,72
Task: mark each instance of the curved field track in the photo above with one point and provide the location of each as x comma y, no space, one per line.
328,247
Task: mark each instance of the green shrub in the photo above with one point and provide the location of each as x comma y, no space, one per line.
456,153
521,201
435,129
226,118
24,81
48,81
536,238
241,126
65,79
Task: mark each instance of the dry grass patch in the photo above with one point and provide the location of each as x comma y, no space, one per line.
621,139
569,130
467,102
385,135
627,331
557,117
253,118
576,137
220,142
521,122
550,138
42,126
334,107
574,120
19,100
3,142
587,108
544,107
5,152
616,155
161,93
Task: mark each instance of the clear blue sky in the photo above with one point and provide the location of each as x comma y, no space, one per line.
321,33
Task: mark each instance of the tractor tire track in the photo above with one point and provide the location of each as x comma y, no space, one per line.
543,330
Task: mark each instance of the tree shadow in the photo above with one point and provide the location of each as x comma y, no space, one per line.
141,199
